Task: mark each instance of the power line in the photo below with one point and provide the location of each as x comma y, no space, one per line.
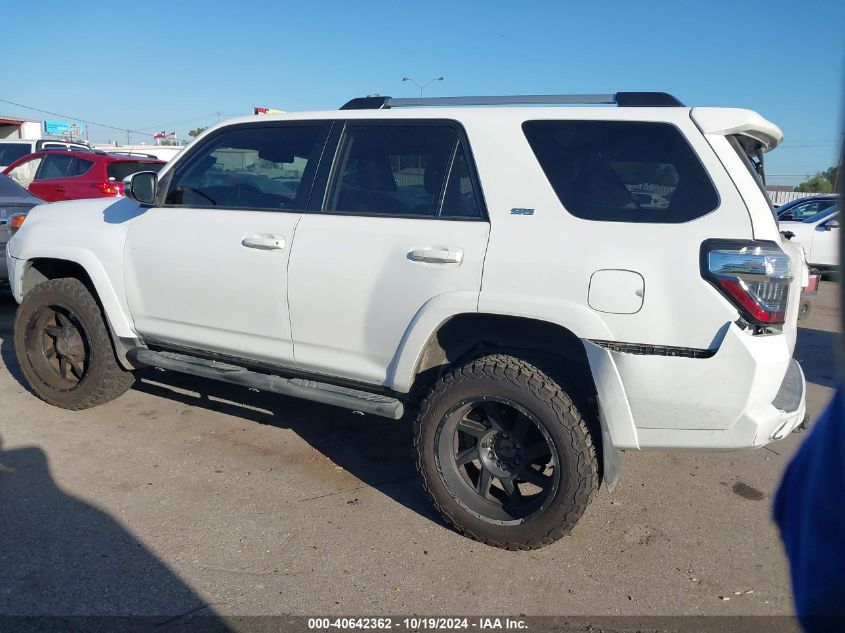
73,118
166,125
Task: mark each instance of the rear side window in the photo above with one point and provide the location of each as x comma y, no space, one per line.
622,171
119,171
394,170
79,166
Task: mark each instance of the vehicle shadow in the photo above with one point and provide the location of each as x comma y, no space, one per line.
376,450
816,351
61,556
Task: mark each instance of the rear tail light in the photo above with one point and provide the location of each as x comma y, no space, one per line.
16,222
754,276
110,188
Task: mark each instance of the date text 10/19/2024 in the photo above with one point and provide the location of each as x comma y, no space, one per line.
417,623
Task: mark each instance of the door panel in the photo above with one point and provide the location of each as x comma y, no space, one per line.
208,268
190,280
382,248
825,251
354,287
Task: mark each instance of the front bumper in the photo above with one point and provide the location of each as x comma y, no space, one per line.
11,268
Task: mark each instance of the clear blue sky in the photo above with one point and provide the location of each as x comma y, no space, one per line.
156,65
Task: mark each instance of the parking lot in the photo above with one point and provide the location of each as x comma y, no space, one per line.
187,496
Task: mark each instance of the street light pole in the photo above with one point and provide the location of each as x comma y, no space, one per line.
423,86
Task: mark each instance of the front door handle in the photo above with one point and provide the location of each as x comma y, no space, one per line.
264,242
437,255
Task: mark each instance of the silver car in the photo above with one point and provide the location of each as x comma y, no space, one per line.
14,199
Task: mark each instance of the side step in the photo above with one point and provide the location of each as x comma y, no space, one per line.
345,397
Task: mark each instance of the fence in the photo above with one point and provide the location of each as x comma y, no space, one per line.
782,197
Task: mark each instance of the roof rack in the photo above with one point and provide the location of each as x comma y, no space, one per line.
621,99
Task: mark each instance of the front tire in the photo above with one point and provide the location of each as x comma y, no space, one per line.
504,454
64,349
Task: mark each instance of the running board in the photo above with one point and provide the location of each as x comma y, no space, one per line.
345,397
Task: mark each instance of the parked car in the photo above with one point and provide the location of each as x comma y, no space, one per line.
72,175
803,208
485,269
15,201
12,150
819,236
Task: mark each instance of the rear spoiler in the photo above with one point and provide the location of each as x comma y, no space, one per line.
730,121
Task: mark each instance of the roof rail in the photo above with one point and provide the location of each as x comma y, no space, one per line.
621,99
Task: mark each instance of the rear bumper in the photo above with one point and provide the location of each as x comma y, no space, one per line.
756,427
749,393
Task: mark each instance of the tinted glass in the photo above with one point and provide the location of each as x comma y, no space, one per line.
622,171
249,168
821,215
55,166
79,166
460,200
119,171
392,169
10,152
804,210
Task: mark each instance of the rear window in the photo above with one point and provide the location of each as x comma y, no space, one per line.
119,171
10,152
622,171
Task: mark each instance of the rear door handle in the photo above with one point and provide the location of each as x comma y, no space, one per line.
437,255
264,242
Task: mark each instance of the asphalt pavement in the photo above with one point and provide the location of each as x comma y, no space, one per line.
186,496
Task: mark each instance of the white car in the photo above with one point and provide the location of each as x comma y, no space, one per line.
13,149
487,272
819,236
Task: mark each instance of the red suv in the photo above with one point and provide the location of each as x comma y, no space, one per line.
54,175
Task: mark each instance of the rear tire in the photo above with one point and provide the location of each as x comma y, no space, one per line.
64,349
504,454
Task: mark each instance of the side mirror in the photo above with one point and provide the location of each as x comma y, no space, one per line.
831,224
141,186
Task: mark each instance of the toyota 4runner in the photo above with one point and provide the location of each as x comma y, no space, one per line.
540,287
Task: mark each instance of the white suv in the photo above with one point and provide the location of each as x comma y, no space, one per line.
543,287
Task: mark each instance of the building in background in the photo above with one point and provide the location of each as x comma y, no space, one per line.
13,128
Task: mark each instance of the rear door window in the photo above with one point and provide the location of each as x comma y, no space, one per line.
54,166
389,169
622,171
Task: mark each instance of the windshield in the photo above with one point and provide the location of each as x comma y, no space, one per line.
821,215
10,152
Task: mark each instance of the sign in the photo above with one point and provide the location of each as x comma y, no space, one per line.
61,128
